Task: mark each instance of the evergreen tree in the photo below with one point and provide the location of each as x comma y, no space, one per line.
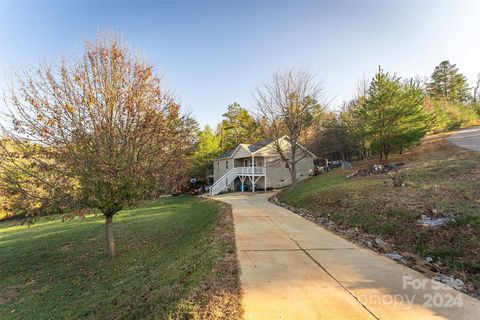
450,101
393,114
414,122
448,84
238,127
335,138
208,147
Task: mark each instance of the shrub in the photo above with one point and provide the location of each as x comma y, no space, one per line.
448,116
398,178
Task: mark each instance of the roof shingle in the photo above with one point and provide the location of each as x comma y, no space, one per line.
260,144
226,154
252,148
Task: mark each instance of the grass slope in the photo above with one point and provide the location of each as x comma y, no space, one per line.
437,174
57,269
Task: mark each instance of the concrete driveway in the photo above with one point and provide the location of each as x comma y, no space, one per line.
467,138
292,268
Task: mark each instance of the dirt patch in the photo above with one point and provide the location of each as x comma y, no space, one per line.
376,169
9,295
13,292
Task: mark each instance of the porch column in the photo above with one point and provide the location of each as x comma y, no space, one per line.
265,173
253,175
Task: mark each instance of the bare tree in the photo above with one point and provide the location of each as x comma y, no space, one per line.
289,105
106,123
361,90
476,90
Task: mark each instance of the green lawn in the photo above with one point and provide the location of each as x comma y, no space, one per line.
437,175
58,270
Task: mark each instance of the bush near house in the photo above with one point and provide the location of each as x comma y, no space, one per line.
169,250
438,177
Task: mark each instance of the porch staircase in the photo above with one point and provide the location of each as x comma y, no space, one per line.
223,183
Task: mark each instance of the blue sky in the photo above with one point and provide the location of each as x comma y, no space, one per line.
214,53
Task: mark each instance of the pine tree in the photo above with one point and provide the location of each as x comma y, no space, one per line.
207,148
239,126
393,114
448,84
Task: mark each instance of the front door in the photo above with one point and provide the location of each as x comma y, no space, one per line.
248,162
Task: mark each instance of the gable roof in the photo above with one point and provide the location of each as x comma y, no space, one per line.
298,144
252,148
260,144
255,147
226,154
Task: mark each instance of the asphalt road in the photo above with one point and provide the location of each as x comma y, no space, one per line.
467,138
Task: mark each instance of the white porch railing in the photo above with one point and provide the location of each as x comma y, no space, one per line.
222,183
249,170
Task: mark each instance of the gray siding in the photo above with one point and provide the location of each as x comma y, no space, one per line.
220,167
277,174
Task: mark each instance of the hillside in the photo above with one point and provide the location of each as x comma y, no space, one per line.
439,180
175,259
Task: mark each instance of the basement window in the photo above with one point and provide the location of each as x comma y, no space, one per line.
226,164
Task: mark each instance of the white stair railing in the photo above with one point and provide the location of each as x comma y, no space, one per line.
222,183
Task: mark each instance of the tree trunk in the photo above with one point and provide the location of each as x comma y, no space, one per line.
293,173
362,151
109,235
293,163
